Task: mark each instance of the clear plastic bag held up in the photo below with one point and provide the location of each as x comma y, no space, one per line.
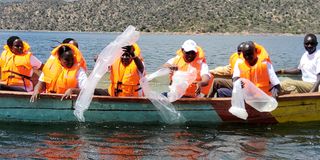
106,58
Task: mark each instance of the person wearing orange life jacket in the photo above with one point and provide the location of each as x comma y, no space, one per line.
225,71
83,62
17,66
191,54
221,85
126,72
258,70
62,73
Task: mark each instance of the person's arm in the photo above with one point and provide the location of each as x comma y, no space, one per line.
41,86
139,63
204,82
41,67
169,64
289,71
205,77
274,80
36,63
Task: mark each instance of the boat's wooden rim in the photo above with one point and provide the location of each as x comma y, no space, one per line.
144,99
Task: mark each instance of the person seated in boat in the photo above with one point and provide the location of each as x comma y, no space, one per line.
125,74
83,62
190,54
227,71
256,69
62,73
309,67
17,66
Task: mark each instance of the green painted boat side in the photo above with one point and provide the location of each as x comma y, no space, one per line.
15,106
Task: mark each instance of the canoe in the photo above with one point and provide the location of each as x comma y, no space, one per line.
15,106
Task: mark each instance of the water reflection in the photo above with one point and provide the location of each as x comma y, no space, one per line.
101,141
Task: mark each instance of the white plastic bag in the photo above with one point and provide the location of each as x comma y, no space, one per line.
257,99
158,73
237,101
106,58
180,82
253,96
162,103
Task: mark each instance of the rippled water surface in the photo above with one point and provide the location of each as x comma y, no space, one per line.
125,141
93,141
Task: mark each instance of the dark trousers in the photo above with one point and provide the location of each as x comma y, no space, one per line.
10,88
224,92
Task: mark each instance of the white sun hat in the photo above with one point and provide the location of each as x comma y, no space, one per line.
189,45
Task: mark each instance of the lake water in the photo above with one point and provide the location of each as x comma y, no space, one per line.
125,141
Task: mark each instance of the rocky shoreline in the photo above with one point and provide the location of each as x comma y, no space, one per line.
174,17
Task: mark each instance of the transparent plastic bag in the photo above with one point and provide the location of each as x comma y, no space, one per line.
257,99
180,82
253,96
161,102
237,101
159,73
106,58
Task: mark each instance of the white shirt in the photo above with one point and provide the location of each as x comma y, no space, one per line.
81,78
204,66
310,66
272,75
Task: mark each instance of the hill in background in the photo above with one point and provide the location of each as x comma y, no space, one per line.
201,16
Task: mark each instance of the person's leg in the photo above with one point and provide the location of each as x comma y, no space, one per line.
224,92
220,83
10,88
101,92
295,86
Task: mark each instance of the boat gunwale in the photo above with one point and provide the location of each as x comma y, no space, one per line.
145,100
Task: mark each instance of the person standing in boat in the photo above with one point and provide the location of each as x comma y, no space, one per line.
223,87
309,67
17,66
190,54
258,70
125,73
62,73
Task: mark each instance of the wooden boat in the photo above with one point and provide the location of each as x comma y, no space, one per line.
15,106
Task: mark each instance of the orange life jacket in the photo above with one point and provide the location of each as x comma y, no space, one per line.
262,53
196,63
16,70
257,74
58,78
233,59
124,80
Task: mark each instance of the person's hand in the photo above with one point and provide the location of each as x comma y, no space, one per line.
281,71
34,96
130,50
198,89
275,90
173,67
67,94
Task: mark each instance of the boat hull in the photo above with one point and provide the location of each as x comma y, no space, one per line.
15,106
